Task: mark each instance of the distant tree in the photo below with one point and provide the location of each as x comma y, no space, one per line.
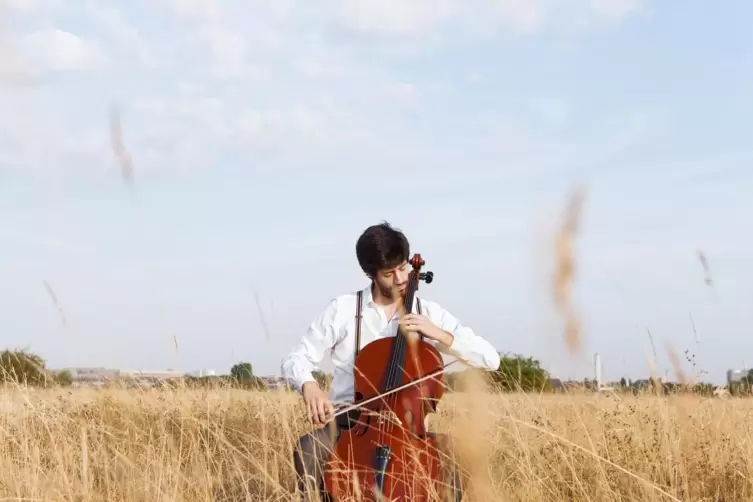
24,368
518,373
741,387
623,383
703,388
242,375
242,371
64,378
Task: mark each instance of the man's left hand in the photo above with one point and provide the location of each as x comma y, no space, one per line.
425,326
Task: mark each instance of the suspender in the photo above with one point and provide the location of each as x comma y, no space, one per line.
359,317
358,323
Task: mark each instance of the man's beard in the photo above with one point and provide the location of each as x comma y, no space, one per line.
390,292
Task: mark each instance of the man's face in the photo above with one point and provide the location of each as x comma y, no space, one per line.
392,282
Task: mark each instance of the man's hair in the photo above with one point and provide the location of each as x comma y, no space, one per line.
381,246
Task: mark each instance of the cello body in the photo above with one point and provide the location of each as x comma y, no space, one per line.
386,452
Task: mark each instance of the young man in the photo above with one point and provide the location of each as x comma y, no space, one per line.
383,253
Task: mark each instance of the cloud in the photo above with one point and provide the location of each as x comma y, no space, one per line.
42,53
402,92
20,5
394,16
615,9
282,82
414,18
54,50
125,41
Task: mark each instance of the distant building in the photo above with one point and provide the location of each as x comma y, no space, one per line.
275,382
557,384
90,376
143,378
156,375
736,375
202,373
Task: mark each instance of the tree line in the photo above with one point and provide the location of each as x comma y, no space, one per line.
20,367
516,373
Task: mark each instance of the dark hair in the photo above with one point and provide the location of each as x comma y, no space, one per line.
381,246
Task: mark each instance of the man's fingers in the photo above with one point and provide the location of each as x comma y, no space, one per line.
323,411
311,410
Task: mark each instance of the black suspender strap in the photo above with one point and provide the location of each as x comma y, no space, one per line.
358,322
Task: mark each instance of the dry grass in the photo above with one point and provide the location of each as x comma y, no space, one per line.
235,445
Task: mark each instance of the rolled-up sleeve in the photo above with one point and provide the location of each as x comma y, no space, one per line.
298,366
466,344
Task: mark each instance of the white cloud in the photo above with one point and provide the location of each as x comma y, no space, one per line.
56,50
402,93
555,111
202,79
227,52
20,5
46,52
395,16
419,17
125,40
615,9
199,9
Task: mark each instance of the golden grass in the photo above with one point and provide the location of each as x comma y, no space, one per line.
228,444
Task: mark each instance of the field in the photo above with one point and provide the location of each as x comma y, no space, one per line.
224,444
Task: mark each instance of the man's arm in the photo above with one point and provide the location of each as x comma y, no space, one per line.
461,340
298,366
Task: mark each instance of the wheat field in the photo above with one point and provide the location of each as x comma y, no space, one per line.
225,444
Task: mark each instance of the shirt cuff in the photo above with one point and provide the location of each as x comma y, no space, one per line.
300,382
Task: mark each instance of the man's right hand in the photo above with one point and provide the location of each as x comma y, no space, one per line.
320,410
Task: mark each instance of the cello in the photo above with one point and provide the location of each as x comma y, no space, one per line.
384,451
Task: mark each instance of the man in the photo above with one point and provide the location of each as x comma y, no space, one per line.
383,253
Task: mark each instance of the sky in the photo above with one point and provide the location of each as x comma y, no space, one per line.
265,137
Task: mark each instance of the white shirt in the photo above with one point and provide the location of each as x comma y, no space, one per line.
334,331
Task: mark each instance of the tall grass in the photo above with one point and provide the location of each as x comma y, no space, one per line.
224,444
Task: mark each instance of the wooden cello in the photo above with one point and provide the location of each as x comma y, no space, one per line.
385,451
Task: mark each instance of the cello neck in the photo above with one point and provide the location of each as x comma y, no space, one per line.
397,358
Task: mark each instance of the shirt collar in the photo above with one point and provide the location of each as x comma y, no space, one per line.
368,298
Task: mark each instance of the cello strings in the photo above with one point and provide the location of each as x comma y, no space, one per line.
397,352
352,407
401,342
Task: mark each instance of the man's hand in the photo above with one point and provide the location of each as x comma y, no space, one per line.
320,410
425,326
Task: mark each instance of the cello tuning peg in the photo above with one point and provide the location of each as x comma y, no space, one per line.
427,276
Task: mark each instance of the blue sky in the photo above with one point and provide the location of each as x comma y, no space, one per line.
265,136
